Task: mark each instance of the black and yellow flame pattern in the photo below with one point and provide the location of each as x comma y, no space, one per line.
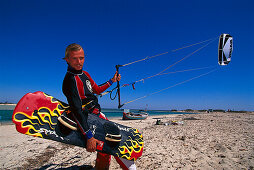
133,147
37,114
43,117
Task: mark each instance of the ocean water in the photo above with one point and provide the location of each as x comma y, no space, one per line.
6,112
6,115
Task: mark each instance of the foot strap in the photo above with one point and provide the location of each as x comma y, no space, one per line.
68,122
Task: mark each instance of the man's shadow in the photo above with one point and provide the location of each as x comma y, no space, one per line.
75,167
63,166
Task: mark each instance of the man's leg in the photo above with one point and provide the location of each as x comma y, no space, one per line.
102,161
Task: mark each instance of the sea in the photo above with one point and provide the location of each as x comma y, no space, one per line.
6,112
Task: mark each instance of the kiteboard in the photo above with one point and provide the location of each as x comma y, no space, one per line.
40,115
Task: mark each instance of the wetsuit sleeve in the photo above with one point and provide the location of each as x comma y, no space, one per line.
101,88
71,92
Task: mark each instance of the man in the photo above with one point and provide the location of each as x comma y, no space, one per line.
79,89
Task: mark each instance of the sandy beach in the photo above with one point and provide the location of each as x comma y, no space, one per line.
201,141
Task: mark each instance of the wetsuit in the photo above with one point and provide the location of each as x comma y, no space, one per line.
79,89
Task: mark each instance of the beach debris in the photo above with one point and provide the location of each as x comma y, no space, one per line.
174,122
158,122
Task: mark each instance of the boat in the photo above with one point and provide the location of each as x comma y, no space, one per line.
141,115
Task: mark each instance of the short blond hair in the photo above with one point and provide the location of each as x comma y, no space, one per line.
72,47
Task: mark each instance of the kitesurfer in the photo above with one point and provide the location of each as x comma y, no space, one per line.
79,89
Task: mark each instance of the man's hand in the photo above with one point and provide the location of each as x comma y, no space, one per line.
91,144
117,77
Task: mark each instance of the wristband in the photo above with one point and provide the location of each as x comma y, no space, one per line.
110,81
89,134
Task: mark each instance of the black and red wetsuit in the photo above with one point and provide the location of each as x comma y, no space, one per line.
79,89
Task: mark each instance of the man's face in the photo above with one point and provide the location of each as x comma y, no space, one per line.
76,59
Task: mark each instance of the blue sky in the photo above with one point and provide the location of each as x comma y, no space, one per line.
34,35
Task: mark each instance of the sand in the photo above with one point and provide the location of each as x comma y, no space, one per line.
203,141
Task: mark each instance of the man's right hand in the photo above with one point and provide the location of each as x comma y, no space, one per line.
91,144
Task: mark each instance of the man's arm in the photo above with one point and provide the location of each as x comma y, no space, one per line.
98,89
101,88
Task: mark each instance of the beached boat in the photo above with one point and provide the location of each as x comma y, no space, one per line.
127,115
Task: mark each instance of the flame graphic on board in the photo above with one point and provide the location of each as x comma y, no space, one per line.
133,148
36,115
29,119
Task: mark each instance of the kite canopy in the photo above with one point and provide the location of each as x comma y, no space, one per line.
225,49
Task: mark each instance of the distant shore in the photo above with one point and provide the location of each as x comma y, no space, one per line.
7,104
201,141
184,110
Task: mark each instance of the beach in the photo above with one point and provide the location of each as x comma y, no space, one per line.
197,141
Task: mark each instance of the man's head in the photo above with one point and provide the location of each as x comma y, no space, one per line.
75,57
